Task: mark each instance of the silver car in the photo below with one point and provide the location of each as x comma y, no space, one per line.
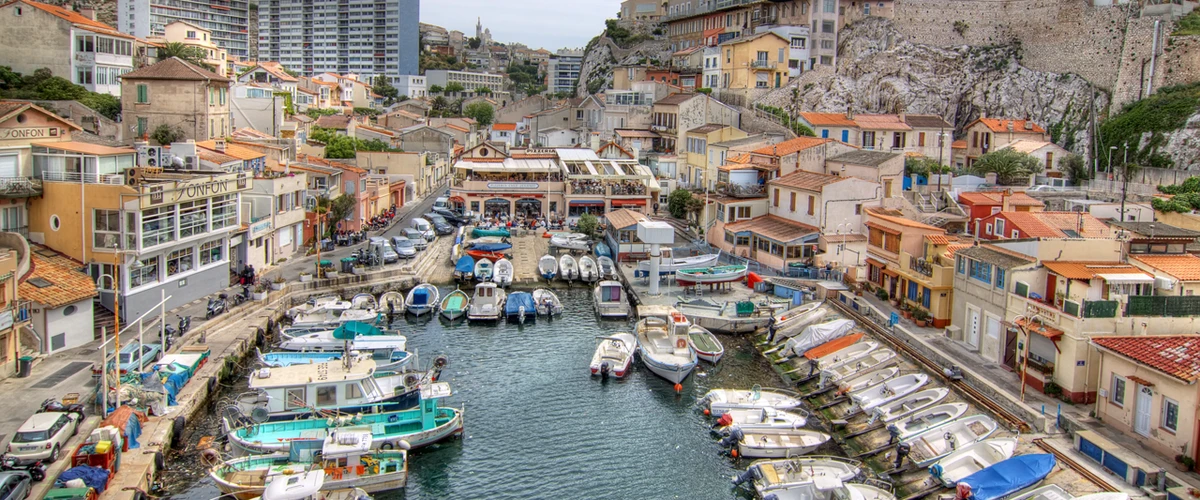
417,236
404,247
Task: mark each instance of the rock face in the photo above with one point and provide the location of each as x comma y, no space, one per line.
1183,145
882,71
603,55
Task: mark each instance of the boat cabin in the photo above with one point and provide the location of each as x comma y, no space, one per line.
331,384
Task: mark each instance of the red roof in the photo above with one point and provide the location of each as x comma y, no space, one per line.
1001,125
1057,224
996,198
1175,355
504,126
828,119
73,17
788,147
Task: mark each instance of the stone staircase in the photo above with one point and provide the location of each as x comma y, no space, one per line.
937,210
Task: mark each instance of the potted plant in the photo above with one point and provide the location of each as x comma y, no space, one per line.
331,273
259,293
921,317
306,277
882,294
277,283
905,311
1184,463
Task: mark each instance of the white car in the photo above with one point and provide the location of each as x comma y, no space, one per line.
1045,188
43,436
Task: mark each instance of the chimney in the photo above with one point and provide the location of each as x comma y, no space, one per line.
595,141
1028,125
1010,126
219,145
88,12
849,113
902,117
1004,200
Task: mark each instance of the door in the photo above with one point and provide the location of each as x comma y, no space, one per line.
973,328
1010,348
993,329
887,188
1141,418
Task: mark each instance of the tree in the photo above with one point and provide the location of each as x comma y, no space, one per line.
337,210
1075,167
589,225
1009,166
483,91
439,107
436,89
361,111
453,87
474,43
165,134
385,89
677,203
315,113
43,85
189,53
341,147
924,166
482,112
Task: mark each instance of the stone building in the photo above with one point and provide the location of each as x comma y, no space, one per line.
177,94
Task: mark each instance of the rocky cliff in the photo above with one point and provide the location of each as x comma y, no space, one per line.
602,55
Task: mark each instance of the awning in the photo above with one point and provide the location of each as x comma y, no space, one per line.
1119,279
623,203
457,199
890,272
875,263
1041,329
1140,380
586,203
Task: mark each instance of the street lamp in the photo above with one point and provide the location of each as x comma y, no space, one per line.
842,249
1025,361
1108,167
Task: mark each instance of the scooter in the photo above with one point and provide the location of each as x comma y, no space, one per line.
36,470
215,306
185,324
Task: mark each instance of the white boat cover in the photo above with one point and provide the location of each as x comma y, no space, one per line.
818,334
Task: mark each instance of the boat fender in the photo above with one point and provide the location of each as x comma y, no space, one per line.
210,457
681,343
935,470
160,463
212,385
403,445
725,421
387,446
177,432
735,435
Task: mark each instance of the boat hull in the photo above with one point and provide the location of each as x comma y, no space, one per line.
415,440
674,373
769,445
397,402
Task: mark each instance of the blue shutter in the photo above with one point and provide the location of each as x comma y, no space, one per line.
845,136
825,133
925,299
912,291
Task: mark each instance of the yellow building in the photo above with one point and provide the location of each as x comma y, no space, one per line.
754,62
194,36
702,161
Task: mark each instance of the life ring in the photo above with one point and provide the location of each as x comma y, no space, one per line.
177,432
210,457
387,445
681,343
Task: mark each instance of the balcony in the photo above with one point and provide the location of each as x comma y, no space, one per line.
921,266
935,275
759,64
84,178
20,187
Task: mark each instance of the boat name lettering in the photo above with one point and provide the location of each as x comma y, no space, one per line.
323,371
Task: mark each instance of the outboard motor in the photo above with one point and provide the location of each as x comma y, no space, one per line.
902,452
604,369
750,474
893,433
732,439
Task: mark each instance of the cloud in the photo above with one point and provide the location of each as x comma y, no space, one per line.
549,24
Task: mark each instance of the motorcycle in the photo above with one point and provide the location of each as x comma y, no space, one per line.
215,306
36,470
185,324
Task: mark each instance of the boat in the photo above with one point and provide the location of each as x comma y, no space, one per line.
454,305
729,317
663,346
614,355
421,299
519,306
608,268
487,304
570,241
610,300
483,270
385,360
710,275
423,425
931,445
890,390
720,401
817,334
752,419
485,255
464,269
826,487
1055,492
372,471
768,476
364,301
868,380
1007,477
547,302
320,304
391,302
929,418
568,269
489,244
849,354
971,459
877,358
775,443
668,265
502,273
706,345
548,267
828,348
792,324
308,486
497,232
335,317
588,272
602,251
913,403
329,341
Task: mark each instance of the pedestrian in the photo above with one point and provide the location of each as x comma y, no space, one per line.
771,330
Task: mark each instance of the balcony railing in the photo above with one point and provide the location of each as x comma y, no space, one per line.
85,178
743,190
920,265
21,230
759,64
20,187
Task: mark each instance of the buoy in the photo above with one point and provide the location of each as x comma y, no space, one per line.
707,412
678,387
733,453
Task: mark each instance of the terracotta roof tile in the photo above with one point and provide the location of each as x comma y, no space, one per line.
704,129
675,99
276,70
215,157
1086,270
1175,355
808,181
377,130
773,227
622,218
239,152
504,126
959,144
1185,267
940,239
881,122
953,248
995,198
86,148
927,121
336,122
67,285
173,69
74,18
1001,125
791,146
894,217
1057,224
828,120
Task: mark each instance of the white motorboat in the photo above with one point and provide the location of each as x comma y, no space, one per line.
929,418
308,486
720,401
571,241
868,380
907,406
754,419
422,299
487,304
668,265
247,477
775,443
711,275
332,318
391,302
608,268
768,476
568,269
849,354
320,304
828,488
1055,492
795,320
727,317
547,302
614,355
663,347
931,445
817,334
889,391
588,271
548,267
872,360
502,273
363,301
972,458
324,341
483,270
610,300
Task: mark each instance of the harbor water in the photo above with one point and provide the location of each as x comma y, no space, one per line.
538,426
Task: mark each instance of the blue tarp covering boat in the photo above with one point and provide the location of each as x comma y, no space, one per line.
479,232
351,329
602,250
392,359
420,297
489,247
465,264
1008,477
516,300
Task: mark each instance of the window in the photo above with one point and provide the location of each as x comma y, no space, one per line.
224,211
743,212
799,43
999,278
327,395
826,60
191,34
143,95
776,198
353,391
962,265
212,252
830,6
106,229
158,226
793,202
988,229
180,261
921,139
1170,419
193,218
85,44
145,275
83,76
1015,234
981,271
999,227
295,398
827,44
826,27
812,203
926,295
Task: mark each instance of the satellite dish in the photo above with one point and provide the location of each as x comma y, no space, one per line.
259,414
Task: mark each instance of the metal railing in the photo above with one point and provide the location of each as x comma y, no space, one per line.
921,266
85,178
20,187
760,64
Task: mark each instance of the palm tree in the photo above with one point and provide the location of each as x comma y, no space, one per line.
1009,165
188,53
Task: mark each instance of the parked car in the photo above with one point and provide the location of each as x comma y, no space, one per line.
404,247
135,356
389,254
1047,189
440,224
43,436
451,216
424,227
15,485
416,237
442,202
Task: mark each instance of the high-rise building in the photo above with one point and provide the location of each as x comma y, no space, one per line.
369,38
563,71
228,20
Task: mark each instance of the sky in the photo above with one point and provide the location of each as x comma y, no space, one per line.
549,24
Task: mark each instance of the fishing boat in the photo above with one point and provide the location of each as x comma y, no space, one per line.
817,334
877,358
706,345
385,360
608,268
668,265
867,380
1055,492
487,304
372,471
464,269
911,404
931,445
483,254
588,272
454,305
329,341
547,302
614,355
570,241
795,320
888,391
720,401
502,273
971,459
483,270
568,269
423,425
849,354
308,486
519,306
335,317
775,443
663,347
548,267
710,275
788,474
828,349
1008,477
753,419
391,302
602,251
929,418
497,232
729,317
610,300
421,299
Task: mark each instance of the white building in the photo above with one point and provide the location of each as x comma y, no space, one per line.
562,73
798,38
328,36
62,298
504,132
412,86
92,54
712,68
470,80
226,19
257,106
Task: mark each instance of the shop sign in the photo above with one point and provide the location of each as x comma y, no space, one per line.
196,189
12,134
258,229
512,185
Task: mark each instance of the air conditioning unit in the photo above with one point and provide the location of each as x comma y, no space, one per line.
165,158
153,154
1164,283
191,163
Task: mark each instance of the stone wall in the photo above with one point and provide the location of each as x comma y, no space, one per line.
1181,60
